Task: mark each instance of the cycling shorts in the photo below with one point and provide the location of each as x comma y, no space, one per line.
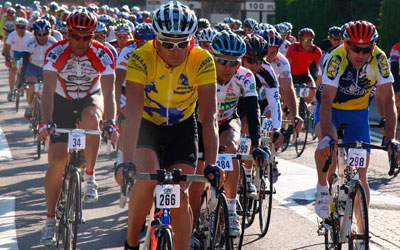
233,123
300,79
16,55
357,123
173,144
66,112
34,71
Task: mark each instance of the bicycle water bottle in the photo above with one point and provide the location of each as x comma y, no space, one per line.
342,165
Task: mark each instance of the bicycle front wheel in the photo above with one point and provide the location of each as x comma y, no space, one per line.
265,199
72,214
164,242
220,227
301,138
359,234
241,208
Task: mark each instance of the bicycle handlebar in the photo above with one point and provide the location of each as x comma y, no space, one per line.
77,130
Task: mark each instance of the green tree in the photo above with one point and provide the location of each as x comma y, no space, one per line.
388,29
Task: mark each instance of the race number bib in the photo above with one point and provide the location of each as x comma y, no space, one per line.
76,141
266,126
357,157
244,146
304,92
224,161
168,196
38,87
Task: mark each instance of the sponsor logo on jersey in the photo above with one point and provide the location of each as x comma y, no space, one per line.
248,74
333,67
54,53
383,65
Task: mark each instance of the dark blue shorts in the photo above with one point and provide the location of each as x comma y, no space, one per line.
35,71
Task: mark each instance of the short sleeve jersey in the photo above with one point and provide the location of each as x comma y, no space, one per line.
243,84
284,47
123,58
37,51
355,86
18,43
78,76
301,59
281,66
170,94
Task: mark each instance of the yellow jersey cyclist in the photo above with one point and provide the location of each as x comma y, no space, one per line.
234,82
164,79
352,72
78,83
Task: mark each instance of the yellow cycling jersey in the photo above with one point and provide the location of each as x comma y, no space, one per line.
355,87
170,94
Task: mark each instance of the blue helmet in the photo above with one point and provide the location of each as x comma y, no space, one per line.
41,25
101,27
206,35
106,19
227,43
144,32
272,37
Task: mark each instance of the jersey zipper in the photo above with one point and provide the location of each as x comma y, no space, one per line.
169,93
78,69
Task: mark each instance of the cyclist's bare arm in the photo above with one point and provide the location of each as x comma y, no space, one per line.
386,93
7,48
107,86
120,75
133,114
47,105
325,112
208,117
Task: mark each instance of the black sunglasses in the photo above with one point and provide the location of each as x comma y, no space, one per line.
21,27
357,49
253,61
42,34
223,61
171,45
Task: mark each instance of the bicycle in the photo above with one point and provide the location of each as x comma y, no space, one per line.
167,196
17,93
346,193
36,119
69,204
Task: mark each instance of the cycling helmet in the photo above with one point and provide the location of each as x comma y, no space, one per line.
11,10
122,28
62,27
125,8
18,6
206,35
256,47
289,25
146,14
228,43
122,15
306,32
7,4
204,23
104,8
238,23
334,31
35,15
101,27
174,20
135,9
228,20
144,32
360,32
273,38
53,6
282,28
92,8
250,23
106,19
21,21
41,25
132,18
49,18
221,27
82,20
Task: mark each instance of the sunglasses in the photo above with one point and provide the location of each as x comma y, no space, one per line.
83,38
223,61
253,61
21,27
336,38
307,40
357,49
99,37
42,34
171,45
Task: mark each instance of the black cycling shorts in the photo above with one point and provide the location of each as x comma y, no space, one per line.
233,123
66,112
173,144
300,79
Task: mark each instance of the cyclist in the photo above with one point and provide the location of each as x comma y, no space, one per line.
123,34
108,21
165,77
234,81
351,73
14,48
289,36
334,39
33,59
100,36
78,78
205,37
281,67
301,55
19,12
249,24
284,31
7,23
143,33
54,33
394,67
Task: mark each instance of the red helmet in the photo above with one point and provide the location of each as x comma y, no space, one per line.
360,32
82,20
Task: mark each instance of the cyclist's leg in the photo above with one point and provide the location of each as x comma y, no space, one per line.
12,74
141,195
195,191
312,92
29,96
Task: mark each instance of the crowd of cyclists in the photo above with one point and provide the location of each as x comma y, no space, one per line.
169,85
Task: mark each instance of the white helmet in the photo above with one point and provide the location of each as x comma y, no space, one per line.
21,21
174,20
206,35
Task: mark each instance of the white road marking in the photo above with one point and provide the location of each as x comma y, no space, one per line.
5,153
298,183
8,234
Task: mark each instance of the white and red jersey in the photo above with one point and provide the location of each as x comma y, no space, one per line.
123,57
78,76
38,51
